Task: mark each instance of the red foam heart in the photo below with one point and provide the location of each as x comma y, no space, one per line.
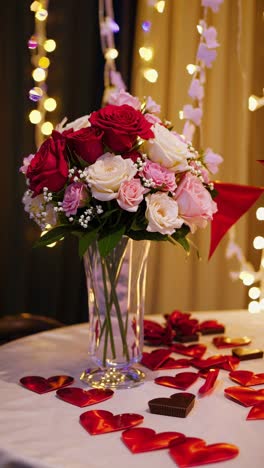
182,381
245,396
256,412
79,397
144,439
219,361
226,342
41,385
195,452
196,350
247,378
100,421
209,382
159,359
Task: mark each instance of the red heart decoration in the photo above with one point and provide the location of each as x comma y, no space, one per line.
143,439
79,397
226,342
182,381
209,382
100,421
159,359
247,378
209,327
245,396
196,350
41,385
219,361
257,412
195,452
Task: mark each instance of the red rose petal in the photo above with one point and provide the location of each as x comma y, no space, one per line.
41,385
245,396
195,452
246,378
209,382
144,439
182,381
100,421
80,397
196,351
257,412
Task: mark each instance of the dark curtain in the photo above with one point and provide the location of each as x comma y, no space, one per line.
48,281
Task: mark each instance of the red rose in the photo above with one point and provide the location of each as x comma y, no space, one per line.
49,167
86,142
121,126
134,155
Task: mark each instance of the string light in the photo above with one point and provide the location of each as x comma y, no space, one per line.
181,115
111,54
146,53
160,6
254,293
258,243
191,68
151,75
260,213
40,45
255,102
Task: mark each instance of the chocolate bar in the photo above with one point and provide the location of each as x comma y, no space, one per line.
245,354
187,338
178,405
212,330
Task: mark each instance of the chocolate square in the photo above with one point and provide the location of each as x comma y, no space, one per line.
244,353
178,405
187,338
213,331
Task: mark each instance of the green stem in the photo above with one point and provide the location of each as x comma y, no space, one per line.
108,317
118,311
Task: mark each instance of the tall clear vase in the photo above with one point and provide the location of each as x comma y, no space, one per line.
116,288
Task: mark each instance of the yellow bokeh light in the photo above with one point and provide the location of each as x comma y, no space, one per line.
258,243
247,278
254,293
41,15
35,6
151,75
39,74
254,307
44,62
160,6
111,54
46,128
50,104
181,115
146,53
35,116
191,68
199,28
252,103
49,45
260,213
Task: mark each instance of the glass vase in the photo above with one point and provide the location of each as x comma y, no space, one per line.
116,296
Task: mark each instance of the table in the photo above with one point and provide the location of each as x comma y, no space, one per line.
41,431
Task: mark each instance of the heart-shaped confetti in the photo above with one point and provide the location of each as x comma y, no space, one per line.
226,342
159,359
41,385
219,361
256,412
100,421
245,396
210,327
178,405
143,439
80,397
246,378
182,381
209,382
195,452
195,351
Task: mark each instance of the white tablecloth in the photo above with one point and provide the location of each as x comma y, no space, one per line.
43,431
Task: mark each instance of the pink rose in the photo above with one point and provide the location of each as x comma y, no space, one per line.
122,97
130,195
212,160
152,106
153,119
161,176
195,203
75,197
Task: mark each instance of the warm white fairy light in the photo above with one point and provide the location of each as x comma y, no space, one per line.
260,213
258,243
35,116
50,104
151,75
49,45
160,6
46,128
255,102
146,53
254,292
191,68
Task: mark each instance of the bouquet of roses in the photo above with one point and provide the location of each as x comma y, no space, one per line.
119,171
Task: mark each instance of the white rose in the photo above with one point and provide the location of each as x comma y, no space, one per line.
168,149
105,176
81,122
162,213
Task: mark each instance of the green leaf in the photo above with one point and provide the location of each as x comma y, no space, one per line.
145,235
53,235
110,240
184,243
86,240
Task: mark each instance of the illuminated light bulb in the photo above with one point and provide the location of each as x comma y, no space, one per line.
35,116
151,75
199,28
39,74
32,43
258,243
146,26
160,6
35,94
35,6
260,213
181,115
44,62
191,68
254,293
146,53
247,278
49,45
254,307
111,54
41,15
46,128
50,104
